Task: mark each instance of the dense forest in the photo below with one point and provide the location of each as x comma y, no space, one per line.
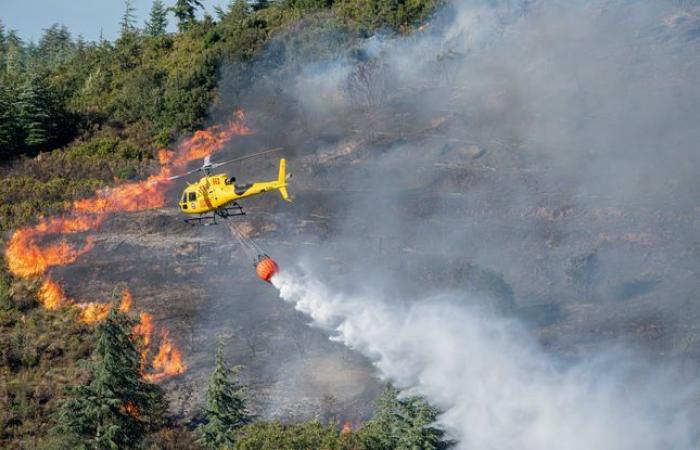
78,115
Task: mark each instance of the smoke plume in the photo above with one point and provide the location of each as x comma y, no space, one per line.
545,150
496,388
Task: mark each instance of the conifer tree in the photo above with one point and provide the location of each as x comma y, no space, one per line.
80,44
116,408
3,44
127,22
158,21
404,424
8,125
14,52
225,409
185,10
55,46
33,113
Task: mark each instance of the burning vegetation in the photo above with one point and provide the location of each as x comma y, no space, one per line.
475,153
33,250
144,330
51,295
131,113
25,254
168,360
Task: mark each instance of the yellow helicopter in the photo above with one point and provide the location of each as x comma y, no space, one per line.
219,194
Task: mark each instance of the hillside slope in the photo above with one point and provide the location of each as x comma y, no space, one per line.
464,158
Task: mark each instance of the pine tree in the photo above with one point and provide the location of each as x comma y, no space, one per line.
33,113
14,52
127,22
80,44
226,409
185,10
116,408
3,45
158,21
404,424
8,125
55,46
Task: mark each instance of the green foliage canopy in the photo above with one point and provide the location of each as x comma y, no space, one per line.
116,408
226,409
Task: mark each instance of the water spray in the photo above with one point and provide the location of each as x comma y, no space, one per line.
497,389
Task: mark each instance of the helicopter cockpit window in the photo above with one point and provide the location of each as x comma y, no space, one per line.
184,198
192,196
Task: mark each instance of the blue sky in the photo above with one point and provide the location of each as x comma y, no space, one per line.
86,17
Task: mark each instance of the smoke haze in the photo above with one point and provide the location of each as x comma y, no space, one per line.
576,126
499,211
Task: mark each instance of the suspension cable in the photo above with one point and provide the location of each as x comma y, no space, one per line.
250,247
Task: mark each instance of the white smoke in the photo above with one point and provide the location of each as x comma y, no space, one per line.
497,389
600,99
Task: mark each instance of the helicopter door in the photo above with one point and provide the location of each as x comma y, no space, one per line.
192,197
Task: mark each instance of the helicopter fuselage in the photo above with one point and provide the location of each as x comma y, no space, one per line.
213,192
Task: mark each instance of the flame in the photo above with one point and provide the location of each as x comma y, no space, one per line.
94,312
125,304
28,256
165,156
144,330
51,295
25,258
347,428
168,361
25,254
206,142
52,298
132,409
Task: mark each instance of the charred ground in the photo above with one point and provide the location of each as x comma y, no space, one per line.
477,176
580,276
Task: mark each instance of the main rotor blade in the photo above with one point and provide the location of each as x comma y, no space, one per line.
209,165
254,155
189,172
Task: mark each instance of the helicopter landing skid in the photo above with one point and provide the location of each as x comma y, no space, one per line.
230,211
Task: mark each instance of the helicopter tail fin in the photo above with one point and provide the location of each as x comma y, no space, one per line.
282,180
